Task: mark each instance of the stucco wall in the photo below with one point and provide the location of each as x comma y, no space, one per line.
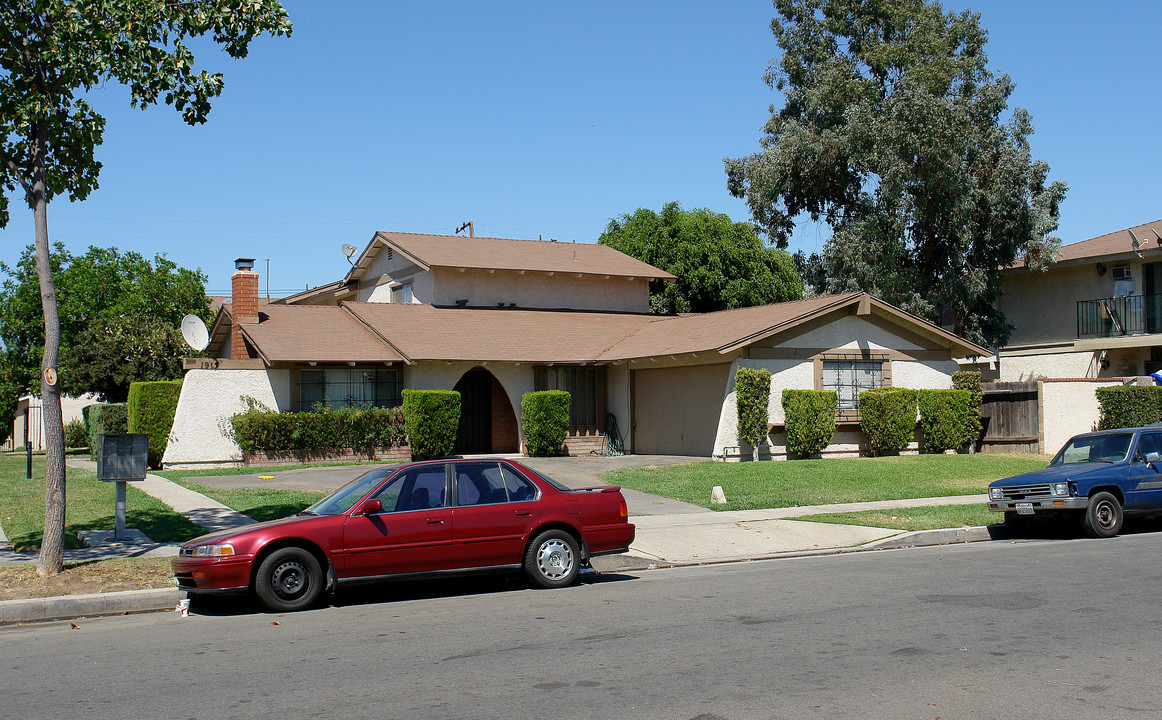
200,436
1018,368
1068,408
540,290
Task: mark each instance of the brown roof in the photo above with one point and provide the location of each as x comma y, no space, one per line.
487,253
315,333
389,332
1119,242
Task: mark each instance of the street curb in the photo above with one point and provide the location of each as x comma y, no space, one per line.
65,607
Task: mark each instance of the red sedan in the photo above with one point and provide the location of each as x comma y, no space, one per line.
446,516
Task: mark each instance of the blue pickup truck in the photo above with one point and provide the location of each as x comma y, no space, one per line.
1097,477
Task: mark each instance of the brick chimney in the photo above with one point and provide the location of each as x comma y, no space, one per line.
243,304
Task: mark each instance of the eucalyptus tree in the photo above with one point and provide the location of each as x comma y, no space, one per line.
894,131
52,54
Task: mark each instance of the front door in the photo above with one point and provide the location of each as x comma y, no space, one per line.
412,534
474,434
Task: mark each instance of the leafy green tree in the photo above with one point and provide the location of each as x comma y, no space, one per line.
893,131
119,315
720,264
54,52
810,268
9,395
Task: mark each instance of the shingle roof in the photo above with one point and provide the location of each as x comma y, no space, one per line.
506,254
1119,242
383,332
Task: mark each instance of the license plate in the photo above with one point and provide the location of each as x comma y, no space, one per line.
1024,508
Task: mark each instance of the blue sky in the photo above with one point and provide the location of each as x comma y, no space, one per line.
546,120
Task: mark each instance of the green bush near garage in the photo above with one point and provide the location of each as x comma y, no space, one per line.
1128,406
809,420
970,380
151,408
545,421
944,417
752,392
431,418
887,418
104,418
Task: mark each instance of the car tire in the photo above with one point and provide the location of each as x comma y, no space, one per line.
289,579
1103,516
553,559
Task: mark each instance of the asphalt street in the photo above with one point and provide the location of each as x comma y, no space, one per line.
1057,628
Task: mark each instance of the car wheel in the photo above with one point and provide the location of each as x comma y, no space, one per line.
553,559
1103,516
288,579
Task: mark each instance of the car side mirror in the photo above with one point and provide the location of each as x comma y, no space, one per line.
1152,457
371,507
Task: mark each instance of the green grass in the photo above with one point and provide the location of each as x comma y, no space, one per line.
89,505
923,518
750,486
257,503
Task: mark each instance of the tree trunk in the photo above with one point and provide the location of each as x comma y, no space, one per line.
52,546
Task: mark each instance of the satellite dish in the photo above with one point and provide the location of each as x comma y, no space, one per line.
349,250
194,331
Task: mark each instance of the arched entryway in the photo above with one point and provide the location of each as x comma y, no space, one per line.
487,421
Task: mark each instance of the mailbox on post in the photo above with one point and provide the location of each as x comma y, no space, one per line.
122,457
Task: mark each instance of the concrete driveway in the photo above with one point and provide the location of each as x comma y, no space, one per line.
573,472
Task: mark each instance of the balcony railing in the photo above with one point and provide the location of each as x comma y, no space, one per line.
1114,317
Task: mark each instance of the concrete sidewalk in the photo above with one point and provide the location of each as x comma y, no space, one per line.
682,536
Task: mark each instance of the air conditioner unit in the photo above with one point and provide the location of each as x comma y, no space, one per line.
1122,272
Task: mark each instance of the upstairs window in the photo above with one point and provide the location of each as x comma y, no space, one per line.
402,293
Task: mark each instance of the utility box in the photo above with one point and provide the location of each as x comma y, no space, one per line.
122,456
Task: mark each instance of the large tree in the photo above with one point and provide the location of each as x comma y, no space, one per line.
720,264
119,317
54,52
894,131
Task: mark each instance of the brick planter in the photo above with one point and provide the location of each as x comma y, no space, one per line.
263,458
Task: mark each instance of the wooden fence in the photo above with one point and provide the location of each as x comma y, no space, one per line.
1010,416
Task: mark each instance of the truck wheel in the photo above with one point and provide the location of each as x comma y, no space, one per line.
1103,516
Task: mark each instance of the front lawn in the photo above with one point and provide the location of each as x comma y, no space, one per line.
933,517
750,486
257,503
89,505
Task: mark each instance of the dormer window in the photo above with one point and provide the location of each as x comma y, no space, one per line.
402,293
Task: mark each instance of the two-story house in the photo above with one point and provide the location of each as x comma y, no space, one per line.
495,318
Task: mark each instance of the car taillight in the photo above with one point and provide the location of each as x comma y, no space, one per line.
623,510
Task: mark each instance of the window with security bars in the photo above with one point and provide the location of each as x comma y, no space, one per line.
342,387
586,388
848,378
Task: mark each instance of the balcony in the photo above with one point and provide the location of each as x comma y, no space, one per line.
1120,316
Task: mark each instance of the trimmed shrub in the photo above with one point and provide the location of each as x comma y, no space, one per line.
752,391
887,418
431,418
151,410
810,420
354,428
545,421
970,380
1122,406
75,434
104,418
943,417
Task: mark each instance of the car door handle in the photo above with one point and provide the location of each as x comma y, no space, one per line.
524,513
435,521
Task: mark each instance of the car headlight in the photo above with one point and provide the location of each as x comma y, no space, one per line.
1060,488
996,494
214,550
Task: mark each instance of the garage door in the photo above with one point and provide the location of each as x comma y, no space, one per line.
677,409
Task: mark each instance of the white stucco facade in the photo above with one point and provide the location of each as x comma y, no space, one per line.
200,436
1068,408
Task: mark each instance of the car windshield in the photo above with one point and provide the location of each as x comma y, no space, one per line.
345,497
1094,448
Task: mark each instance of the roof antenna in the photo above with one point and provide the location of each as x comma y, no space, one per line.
471,229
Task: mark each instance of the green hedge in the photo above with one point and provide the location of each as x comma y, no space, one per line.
752,391
76,436
810,420
970,380
944,415
431,418
545,421
887,418
1128,406
104,418
354,428
151,410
